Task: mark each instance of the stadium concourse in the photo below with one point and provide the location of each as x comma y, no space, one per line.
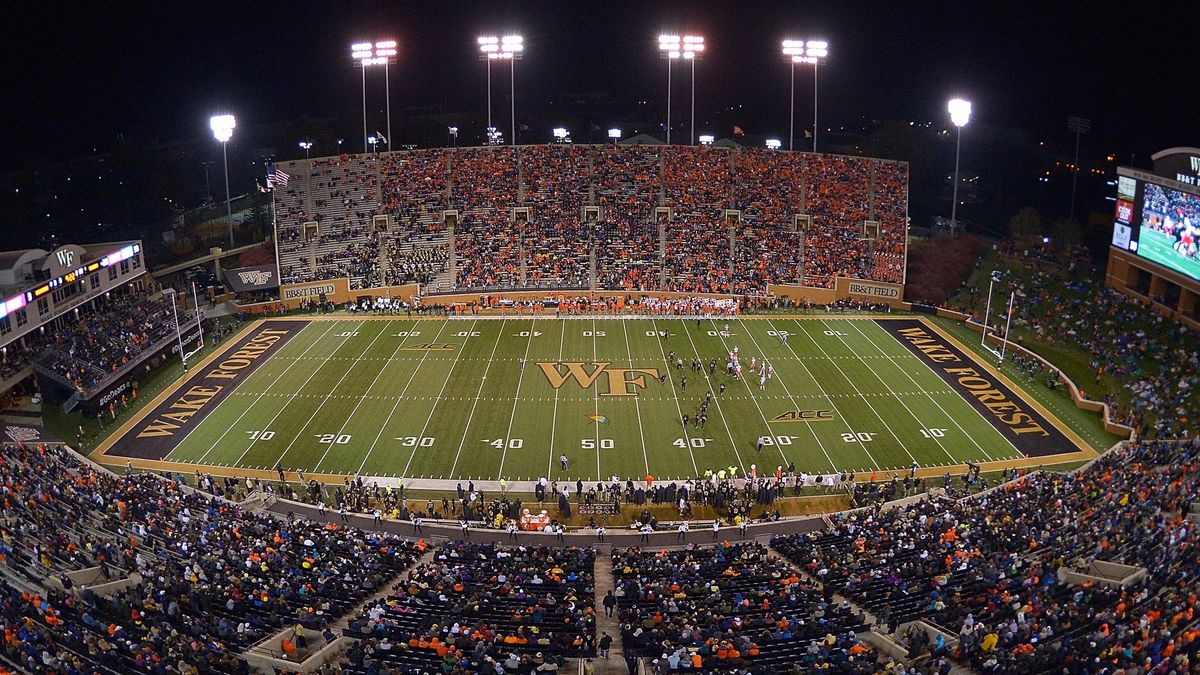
521,223
1093,571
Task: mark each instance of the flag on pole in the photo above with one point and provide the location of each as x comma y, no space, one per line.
260,186
276,177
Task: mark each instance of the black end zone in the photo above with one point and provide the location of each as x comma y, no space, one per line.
158,432
1020,423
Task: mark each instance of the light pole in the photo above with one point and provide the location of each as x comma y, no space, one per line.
689,48
379,53
222,127
453,131
1080,126
508,48
614,134
800,51
306,146
960,114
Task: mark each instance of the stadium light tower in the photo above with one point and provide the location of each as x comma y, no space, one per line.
508,48
222,127
1078,126
960,114
379,53
800,51
614,134
688,48
306,146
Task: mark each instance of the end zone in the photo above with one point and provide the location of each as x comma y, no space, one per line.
158,428
1031,429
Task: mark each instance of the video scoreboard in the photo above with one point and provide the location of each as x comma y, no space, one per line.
1158,219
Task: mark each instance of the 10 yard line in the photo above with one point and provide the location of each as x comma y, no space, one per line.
249,407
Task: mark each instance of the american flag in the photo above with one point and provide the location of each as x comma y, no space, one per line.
276,177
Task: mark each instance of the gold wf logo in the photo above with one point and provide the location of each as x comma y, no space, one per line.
617,381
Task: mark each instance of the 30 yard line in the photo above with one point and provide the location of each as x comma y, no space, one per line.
362,398
429,418
766,424
471,415
516,398
857,391
934,401
316,410
675,395
247,410
832,465
637,406
716,400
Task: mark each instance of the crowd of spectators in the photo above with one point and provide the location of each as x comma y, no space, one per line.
732,606
986,568
482,608
214,579
118,328
1156,358
555,245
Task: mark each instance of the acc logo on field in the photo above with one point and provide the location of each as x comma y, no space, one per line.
430,346
804,416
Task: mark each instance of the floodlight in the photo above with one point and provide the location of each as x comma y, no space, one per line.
707,139
306,145
559,132
774,144
222,126
960,112
614,133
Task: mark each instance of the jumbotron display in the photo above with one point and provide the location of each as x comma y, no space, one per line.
1159,224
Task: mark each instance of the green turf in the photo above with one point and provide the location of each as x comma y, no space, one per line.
352,396
1159,247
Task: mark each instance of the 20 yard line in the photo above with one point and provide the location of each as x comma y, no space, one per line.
516,398
857,391
845,420
933,400
249,407
361,398
324,397
636,404
471,415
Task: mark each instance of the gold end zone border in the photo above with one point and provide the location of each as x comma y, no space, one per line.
100,455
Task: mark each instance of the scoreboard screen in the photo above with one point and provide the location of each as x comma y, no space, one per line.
1169,229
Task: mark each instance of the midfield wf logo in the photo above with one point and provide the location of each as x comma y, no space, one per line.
617,381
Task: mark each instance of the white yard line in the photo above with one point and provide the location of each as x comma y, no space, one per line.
475,404
828,398
362,397
596,403
637,405
891,391
316,410
436,401
247,410
687,440
933,400
516,398
746,381
832,464
858,391
716,400
554,416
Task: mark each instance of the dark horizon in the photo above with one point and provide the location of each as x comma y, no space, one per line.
155,73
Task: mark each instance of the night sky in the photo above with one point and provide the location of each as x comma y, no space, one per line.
79,74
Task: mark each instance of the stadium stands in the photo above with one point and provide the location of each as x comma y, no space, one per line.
497,246
987,568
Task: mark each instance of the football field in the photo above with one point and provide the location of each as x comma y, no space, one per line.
487,398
